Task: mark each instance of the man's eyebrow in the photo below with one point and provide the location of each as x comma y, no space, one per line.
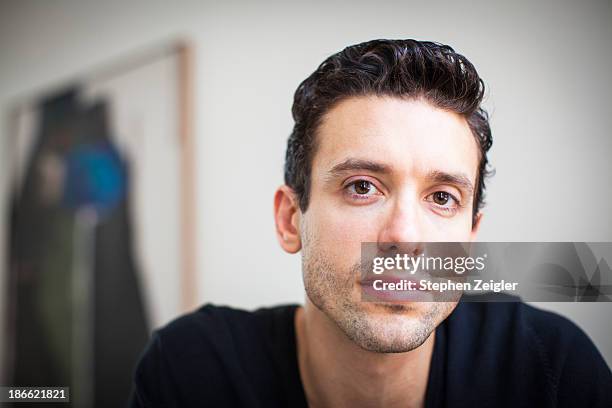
458,179
358,164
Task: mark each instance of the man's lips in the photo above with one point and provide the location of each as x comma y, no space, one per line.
369,280
370,293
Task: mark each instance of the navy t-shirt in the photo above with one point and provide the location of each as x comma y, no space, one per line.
500,354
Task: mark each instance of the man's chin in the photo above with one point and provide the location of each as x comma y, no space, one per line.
393,338
393,327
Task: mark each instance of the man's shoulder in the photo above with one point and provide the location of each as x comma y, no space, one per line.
532,349
507,317
218,325
206,354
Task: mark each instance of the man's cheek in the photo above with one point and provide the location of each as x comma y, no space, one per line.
455,229
346,226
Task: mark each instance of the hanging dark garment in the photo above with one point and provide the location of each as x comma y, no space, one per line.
76,312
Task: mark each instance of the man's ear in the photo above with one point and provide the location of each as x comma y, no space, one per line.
286,218
476,226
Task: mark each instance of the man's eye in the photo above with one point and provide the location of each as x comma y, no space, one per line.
441,197
362,187
444,201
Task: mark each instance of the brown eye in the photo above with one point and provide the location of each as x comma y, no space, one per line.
441,197
363,187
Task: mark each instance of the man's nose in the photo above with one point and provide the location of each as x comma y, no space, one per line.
402,230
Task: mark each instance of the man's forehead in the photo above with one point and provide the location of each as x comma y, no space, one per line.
402,135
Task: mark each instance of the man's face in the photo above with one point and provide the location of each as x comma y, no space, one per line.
385,170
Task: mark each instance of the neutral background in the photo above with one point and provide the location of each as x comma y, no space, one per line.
546,64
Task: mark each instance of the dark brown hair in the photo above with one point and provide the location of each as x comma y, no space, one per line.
399,68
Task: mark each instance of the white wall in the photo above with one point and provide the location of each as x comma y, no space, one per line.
547,65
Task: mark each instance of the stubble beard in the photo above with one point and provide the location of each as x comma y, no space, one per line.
378,327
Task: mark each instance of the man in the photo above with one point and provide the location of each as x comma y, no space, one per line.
389,146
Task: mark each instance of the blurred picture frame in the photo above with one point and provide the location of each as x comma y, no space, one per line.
102,221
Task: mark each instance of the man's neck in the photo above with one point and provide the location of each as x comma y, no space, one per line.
336,372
